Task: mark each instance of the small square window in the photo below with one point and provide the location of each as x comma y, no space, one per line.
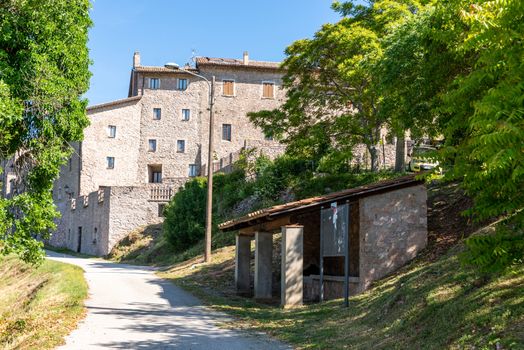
152,146
157,113
186,114
268,90
228,88
181,146
193,170
111,131
154,83
110,162
226,132
268,137
181,84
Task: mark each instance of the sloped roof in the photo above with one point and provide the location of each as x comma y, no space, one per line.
158,69
114,103
308,203
231,62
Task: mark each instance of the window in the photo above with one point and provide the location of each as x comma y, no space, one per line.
154,83
111,131
71,164
155,173
181,84
228,88
95,235
193,170
157,113
161,208
268,90
181,146
268,137
110,162
226,132
186,113
152,146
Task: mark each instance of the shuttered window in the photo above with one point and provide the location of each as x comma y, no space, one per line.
268,90
229,88
226,132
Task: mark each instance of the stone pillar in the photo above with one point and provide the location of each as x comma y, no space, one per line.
263,254
292,284
242,263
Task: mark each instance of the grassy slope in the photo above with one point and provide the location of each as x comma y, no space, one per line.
39,306
432,303
426,305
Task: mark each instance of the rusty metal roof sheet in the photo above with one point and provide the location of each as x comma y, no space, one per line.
308,203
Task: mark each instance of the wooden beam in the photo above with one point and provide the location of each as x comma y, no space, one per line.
268,226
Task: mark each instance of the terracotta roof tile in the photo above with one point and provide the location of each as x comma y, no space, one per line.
114,103
213,61
155,69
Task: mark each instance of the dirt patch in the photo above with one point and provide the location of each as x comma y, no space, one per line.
447,224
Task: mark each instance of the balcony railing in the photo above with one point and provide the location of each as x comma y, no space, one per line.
161,193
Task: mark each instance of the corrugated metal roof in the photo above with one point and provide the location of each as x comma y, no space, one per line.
114,103
217,61
353,193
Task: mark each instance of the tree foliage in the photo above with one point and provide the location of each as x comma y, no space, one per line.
333,101
44,71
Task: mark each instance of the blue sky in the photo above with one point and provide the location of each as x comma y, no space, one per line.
168,30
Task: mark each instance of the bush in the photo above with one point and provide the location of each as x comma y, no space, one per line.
184,223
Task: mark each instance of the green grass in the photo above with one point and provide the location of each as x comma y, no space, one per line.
148,246
69,252
40,305
426,305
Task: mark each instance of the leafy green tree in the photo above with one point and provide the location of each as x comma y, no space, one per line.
44,71
456,69
333,102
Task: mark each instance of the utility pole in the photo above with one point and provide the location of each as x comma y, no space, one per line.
209,203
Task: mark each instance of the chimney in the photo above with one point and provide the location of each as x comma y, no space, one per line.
136,59
245,59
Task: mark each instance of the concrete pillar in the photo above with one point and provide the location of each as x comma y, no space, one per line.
292,284
242,263
263,254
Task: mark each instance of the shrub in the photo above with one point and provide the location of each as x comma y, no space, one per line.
184,223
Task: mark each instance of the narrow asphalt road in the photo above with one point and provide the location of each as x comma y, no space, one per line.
129,307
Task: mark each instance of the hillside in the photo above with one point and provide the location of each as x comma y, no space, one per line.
39,306
432,303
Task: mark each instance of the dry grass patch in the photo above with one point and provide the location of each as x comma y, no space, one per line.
39,306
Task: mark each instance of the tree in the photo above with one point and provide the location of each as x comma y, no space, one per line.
44,71
456,69
333,102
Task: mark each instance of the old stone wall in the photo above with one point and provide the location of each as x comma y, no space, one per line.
386,156
233,109
393,229
84,223
171,127
97,146
130,208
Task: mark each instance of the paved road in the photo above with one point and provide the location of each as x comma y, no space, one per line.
129,307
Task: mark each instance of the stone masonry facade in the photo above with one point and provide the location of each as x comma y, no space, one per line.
138,151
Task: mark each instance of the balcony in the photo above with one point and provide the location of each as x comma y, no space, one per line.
161,193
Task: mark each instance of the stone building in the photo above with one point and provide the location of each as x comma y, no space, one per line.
385,225
138,151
